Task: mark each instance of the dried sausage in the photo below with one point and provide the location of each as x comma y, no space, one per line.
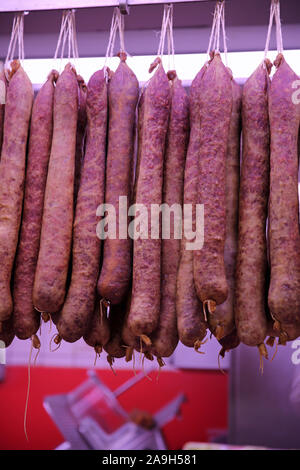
12,175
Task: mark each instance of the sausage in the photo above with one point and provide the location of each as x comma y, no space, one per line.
284,331
80,299
123,92
26,318
145,305
12,174
56,236
221,323
284,239
2,101
191,324
165,338
229,342
98,333
215,113
80,134
115,346
252,264
7,332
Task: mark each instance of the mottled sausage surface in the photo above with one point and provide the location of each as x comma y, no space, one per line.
191,324
251,270
215,113
55,245
18,106
284,291
222,321
145,305
165,337
26,318
123,93
80,300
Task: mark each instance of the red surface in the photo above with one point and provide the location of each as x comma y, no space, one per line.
205,410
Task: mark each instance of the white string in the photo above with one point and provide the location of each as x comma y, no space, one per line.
164,26
212,34
171,48
67,38
111,40
278,27
217,28
224,35
17,36
272,11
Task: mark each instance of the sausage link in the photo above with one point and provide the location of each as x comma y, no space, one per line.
165,338
251,270
26,318
12,175
284,239
190,320
56,236
80,299
145,305
123,92
215,113
221,323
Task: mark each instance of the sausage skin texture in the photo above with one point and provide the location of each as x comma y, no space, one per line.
284,239
2,101
80,134
215,113
222,322
80,299
56,236
18,106
26,318
252,263
123,93
98,332
145,305
165,338
190,319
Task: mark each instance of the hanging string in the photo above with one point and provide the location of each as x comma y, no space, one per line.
17,36
67,39
212,33
164,27
117,25
218,23
274,12
171,48
278,27
224,34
